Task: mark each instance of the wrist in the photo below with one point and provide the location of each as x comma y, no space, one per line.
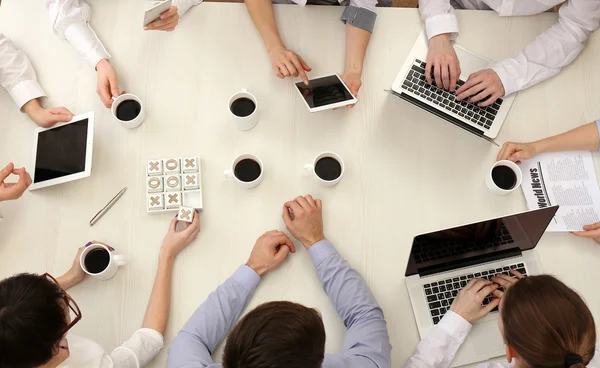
312,241
70,279
440,37
274,44
32,106
102,63
260,270
166,256
540,146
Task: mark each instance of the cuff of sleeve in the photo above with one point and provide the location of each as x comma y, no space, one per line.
156,336
246,277
440,24
455,326
359,17
25,92
85,41
320,251
598,126
183,6
509,84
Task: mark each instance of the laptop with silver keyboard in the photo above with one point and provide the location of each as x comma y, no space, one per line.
441,263
411,86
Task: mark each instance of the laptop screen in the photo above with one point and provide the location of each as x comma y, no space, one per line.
478,242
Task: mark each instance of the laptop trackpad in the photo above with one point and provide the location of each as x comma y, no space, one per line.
469,63
486,337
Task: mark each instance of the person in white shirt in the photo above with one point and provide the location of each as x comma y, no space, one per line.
18,77
583,138
544,323
359,17
541,59
12,191
36,315
70,21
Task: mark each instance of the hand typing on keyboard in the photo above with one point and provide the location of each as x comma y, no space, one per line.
468,303
442,63
484,86
506,281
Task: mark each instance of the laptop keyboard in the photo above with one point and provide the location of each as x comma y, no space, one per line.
441,294
416,83
424,250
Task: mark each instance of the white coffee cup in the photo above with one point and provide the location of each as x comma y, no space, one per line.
489,181
230,173
311,168
244,122
114,262
128,123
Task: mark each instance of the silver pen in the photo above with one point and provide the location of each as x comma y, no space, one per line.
107,207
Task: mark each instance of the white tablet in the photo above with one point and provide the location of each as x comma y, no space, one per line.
63,153
154,12
324,93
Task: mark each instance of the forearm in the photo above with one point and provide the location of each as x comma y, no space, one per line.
261,12
68,280
584,138
209,325
357,41
157,312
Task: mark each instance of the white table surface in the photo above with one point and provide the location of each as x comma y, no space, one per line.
407,171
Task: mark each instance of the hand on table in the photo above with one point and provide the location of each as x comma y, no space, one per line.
352,80
506,282
46,118
108,83
469,299
175,240
167,22
590,231
516,152
11,191
287,63
269,252
442,59
305,222
483,85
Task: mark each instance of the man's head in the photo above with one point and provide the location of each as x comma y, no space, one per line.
32,320
277,334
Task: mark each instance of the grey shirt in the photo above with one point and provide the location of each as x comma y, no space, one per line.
366,345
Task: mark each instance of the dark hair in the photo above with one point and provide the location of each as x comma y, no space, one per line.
545,321
32,320
274,335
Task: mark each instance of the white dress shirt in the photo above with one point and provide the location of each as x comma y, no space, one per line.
541,59
16,74
438,348
70,21
137,352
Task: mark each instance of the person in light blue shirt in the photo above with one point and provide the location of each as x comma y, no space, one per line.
286,334
583,138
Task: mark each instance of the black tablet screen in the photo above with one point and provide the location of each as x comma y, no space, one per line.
324,91
61,151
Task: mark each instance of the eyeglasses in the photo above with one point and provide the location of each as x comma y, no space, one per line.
70,303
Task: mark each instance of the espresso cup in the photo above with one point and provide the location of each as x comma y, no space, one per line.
327,168
99,261
246,170
243,110
128,110
504,177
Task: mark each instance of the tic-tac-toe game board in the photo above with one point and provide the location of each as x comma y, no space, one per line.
172,183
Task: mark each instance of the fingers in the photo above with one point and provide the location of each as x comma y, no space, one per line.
300,69
304,64
24,178
173,224
485,93
595,226
504,280
587,234
303,202
62,113
114,85
282,253
8,169
476,284
490,307
287,218
310,200
471,87
454,75
168,24
446,76
296,208
105,96
428,71
495,95
282,239
507,150
289,64
517,274
319,204
498,294
487,290
437,73
284,70
194,228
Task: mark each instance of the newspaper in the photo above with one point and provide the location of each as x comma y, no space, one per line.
567,179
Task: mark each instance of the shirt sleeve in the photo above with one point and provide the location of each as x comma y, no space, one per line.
184,5
367,343
553,49
438,348
139,350
598,125
70,20
208,326
439,18
361,14
17,75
